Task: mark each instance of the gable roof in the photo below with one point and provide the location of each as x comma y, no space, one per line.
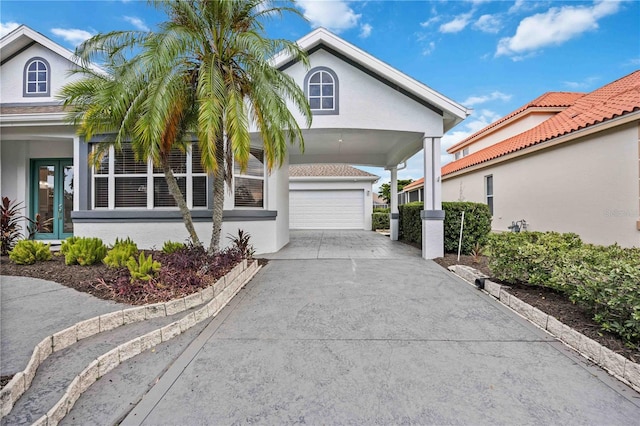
616,99
328,170
548,102
452,112
24,37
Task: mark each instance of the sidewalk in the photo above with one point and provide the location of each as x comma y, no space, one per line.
32,309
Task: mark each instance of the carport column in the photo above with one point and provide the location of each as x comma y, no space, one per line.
394,216
432,216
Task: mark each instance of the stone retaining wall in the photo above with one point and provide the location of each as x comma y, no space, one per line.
215,297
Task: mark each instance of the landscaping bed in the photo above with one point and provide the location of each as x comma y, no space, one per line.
553,303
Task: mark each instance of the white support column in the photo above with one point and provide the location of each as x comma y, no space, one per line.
394,221
432,215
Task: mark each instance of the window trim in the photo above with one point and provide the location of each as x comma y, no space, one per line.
489,196
253,177
25,81
336,91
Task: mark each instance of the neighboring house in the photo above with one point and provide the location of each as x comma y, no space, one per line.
330,196
566,162
379,202
412,192
45,164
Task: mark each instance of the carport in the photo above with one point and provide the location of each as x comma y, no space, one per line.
371,114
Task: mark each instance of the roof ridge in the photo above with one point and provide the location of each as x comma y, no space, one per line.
536,103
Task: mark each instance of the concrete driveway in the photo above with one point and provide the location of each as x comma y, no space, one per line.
351,328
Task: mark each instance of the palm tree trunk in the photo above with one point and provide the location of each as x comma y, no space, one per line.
218,197
174,190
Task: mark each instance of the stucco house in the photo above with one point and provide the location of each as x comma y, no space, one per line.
566,162
44,163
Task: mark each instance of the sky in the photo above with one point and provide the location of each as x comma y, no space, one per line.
490,56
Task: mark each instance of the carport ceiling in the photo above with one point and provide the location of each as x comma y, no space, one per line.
380,148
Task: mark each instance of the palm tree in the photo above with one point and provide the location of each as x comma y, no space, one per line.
208,71
115,100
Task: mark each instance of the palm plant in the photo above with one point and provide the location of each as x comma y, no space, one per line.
207,70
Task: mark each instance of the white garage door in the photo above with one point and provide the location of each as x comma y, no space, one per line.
320,209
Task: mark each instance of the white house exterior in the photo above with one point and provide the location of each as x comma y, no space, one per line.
575,167
45,164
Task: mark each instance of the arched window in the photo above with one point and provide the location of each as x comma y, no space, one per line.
37,77
321,89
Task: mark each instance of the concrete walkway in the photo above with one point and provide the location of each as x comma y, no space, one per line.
351,335
32,309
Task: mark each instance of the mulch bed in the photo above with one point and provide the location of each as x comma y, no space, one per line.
553,303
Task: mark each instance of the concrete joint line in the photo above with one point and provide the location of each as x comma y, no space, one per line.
615,364
21,381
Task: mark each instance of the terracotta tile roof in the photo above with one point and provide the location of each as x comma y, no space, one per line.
334,170
613,100
558,100
414,184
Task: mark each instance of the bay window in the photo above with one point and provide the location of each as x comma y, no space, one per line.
249,185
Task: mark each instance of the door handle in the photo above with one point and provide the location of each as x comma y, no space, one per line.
60,209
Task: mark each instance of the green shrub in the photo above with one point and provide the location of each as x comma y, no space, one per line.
120,254
84,251
143,269
477,226
606,281
380,221
66,244
172,247
28,252
528,257
382,210
410,222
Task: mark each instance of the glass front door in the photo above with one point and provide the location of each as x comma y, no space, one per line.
52,198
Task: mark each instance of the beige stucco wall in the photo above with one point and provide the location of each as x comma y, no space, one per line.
590,187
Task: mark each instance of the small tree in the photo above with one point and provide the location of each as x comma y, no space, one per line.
385,189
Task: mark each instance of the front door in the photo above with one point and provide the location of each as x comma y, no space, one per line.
52,200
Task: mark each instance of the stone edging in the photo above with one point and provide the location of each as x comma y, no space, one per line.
215,296
618,366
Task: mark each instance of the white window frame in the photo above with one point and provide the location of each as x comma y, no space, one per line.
149,175
489,196
252,177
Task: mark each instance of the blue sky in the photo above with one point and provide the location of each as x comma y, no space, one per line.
492,56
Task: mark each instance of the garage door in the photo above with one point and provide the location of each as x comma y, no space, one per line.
320,209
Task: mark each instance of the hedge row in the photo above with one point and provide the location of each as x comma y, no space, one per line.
604,280
477,224
379,221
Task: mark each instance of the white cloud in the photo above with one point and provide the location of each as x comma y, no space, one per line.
457,24
136,22
493,96
488,24
428,50
72,35
554,27
365,30
334,15
587,83
430,21
7,27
